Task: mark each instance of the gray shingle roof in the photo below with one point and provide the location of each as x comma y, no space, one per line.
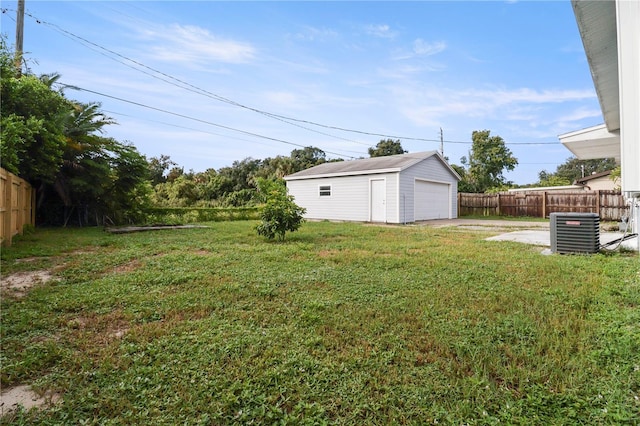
363,166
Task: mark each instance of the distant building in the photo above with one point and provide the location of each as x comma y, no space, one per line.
394,189
598,181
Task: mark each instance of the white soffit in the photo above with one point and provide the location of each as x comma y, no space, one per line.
597,24
593,142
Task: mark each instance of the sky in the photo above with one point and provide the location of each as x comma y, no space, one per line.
212,82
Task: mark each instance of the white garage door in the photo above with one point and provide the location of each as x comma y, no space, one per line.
431,200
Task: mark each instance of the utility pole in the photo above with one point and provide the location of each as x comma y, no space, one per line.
441,142
19,37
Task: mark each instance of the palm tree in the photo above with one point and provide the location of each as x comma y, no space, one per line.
84,151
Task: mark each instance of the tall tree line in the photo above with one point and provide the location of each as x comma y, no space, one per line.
57,144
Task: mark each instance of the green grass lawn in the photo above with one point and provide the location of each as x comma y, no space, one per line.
341,324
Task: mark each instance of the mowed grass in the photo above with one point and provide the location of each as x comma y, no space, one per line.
341,324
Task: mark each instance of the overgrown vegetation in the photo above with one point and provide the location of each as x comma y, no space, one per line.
182,215
232,186
342,324
56,144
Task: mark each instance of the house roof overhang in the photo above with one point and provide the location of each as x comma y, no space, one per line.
610,32
593,142
598,29
597,25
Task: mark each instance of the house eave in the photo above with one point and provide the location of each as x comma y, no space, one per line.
593,142
340,174
597,25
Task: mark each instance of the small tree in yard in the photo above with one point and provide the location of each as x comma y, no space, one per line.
279,213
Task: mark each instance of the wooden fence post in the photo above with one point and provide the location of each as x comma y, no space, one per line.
598,202
544,204
8,210
32,192
20,206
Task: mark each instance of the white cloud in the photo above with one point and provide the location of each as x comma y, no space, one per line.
425,106
580,114
504,96
282,98
380,30
421,48
310,33
403,71
192,44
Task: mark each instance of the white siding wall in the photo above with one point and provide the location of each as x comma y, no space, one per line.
349,198
392,197
628,26
430,169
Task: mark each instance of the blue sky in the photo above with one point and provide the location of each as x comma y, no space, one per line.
399,69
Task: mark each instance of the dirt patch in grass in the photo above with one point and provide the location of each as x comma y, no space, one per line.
87,250
19,284
31,259
130,229
24,396
103,327
128,267
328,253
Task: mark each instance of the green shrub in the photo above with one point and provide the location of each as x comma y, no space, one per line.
279,214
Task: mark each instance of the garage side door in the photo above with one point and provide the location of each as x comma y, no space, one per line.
431,200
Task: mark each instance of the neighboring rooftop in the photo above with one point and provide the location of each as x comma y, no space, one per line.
586,179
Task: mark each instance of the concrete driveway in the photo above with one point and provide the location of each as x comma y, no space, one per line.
535,233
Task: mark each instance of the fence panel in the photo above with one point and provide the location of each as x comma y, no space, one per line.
17,206
477,204
612,205
609,205
575,202
521,204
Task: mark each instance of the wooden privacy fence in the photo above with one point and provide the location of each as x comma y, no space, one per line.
17,206
609,205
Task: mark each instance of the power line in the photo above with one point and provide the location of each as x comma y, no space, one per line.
193,118
204,131
183,84
289,120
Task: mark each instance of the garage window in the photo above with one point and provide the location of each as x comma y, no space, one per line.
325,190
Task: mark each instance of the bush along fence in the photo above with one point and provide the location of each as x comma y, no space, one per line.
181,215
17,206
609,205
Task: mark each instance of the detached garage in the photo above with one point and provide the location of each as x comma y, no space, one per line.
395,189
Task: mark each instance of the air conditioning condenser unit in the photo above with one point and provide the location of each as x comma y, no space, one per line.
575,233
